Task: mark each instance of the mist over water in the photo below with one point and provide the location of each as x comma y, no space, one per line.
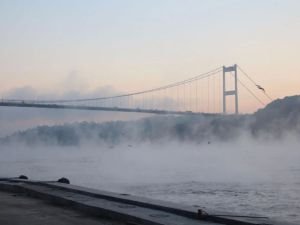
246,165
244,160
246,176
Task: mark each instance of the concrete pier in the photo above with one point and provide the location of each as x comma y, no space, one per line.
122,208
19,209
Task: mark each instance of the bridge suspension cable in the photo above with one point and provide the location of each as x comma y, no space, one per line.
256,85
198,94
251,92
198,77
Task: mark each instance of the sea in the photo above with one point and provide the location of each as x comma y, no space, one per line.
243,177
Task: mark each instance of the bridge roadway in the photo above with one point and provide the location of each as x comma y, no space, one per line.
122,208
94,108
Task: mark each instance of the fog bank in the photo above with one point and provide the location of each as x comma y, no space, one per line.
215,148
279,119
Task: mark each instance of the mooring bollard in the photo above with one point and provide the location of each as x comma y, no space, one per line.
23,177
63,180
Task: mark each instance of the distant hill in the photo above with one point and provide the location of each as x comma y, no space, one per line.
279,117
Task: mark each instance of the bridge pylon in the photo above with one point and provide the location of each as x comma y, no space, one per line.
234,92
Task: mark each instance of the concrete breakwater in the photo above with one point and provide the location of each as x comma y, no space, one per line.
123,207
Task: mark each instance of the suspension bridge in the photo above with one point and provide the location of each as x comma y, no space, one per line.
205,93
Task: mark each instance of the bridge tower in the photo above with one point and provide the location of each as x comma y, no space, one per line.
230,92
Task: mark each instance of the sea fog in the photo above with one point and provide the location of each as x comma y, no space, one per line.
244,177
243,160
246,164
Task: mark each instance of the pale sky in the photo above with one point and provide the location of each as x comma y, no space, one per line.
59,45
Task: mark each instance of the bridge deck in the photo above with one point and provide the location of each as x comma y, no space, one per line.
94,108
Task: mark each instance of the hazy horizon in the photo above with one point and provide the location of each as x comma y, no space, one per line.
70,48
